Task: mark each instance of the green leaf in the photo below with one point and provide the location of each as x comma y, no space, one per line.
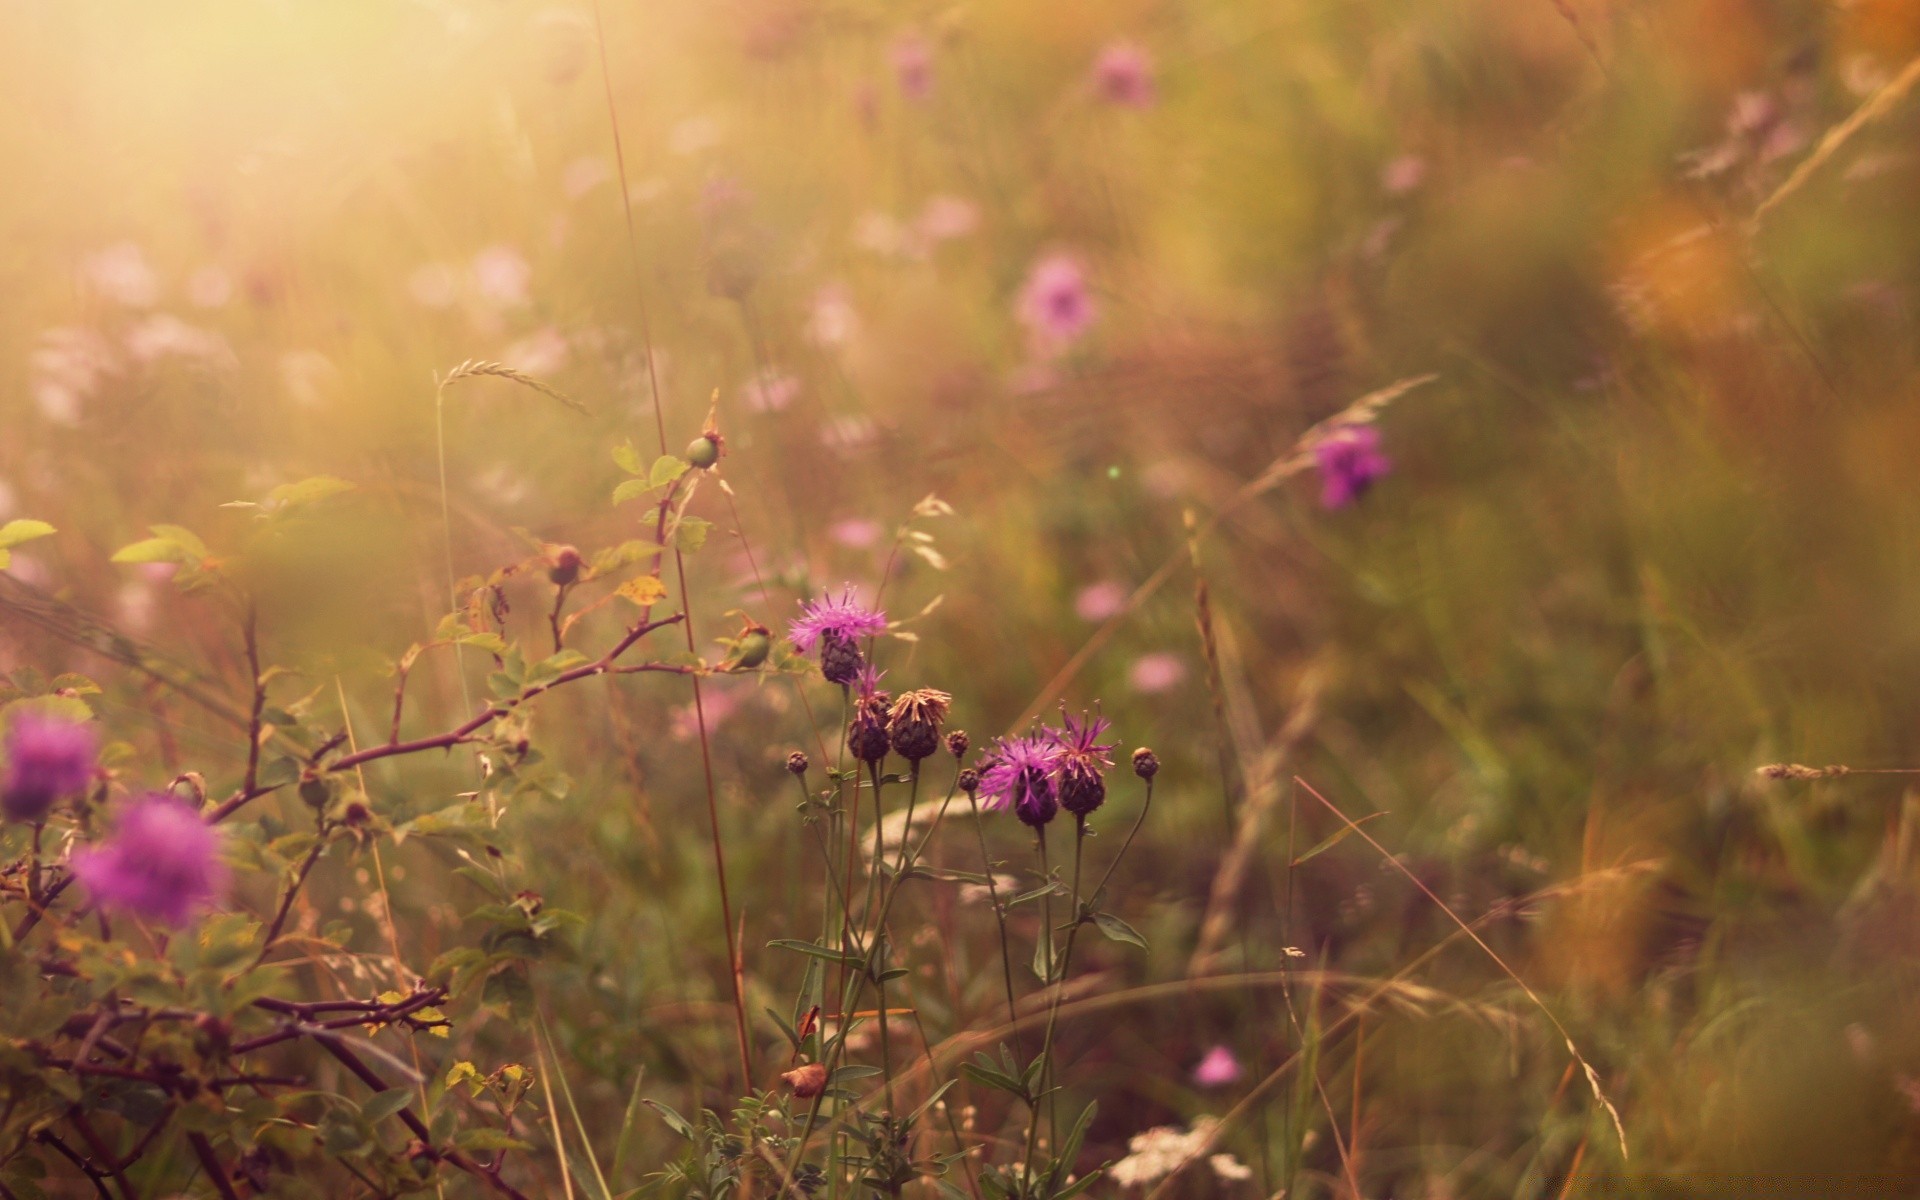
382,1105
308,491
631,489
691,533
666,469
488,1139
674,1120
817,951
22,530
187,539
1339,835
628,459
151,550
1118,930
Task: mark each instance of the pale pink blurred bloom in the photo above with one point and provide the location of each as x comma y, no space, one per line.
28,569
912,61
122,274
1123,74
66,368
1403,174
434,285
209,287
157,572
1218,1069
683,722
501,275
848,433
946,217
772,390
584,174
1156,672
541,352
157,336
1055,304
832,321
859,533
308,376
1098,601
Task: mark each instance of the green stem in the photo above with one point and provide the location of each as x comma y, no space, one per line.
1000,916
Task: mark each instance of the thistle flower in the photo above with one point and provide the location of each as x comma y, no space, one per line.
1022,774
162,862
1350,461
837,626
1084,762
1123,74
914,722
1217,1069
867,737
47,758
1054,303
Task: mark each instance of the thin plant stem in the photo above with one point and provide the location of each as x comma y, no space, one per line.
999,914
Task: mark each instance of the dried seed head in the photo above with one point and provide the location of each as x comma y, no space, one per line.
914,722
797,762
807,1081
1145,763
957,743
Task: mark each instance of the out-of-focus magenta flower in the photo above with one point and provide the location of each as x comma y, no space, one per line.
857,533
1123,74
1218,1068
1350,461
47,758
1054,304
912,61
162,862
1098,601
837,626
1022,774
1156,672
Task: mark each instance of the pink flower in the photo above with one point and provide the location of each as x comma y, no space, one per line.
1098,601
1156,672
946,217
856,532
1350,461
1218,1069
1054,304
161,862
501,275
48,758
772,390
1123,74
912,60
121,273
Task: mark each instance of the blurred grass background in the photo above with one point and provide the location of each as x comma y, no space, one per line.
1653,525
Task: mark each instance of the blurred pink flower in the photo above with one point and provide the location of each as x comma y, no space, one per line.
434,285
161,862
67,367
1403,174
1054,304
833,321
1350,461
541,352
856,532
1123,74
1156,672
946,217
162,334
584,174
912,61
122,274
1098,601
770,391
501,275
1217,1069
683,722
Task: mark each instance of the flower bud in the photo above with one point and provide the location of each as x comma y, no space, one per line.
1145,763
807,1081
957,743
316,791
704,451
969,780
797,762
563,565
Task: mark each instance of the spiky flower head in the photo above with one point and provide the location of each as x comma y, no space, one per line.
1084,762
47,758
161,862
867,737
1350,462
1022,774
914,722
836,625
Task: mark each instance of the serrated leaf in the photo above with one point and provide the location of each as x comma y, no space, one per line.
643,590
691,533
666,469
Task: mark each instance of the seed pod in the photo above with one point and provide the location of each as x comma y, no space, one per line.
563,565
704,451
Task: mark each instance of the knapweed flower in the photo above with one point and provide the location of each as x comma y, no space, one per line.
1217,1069
914,722
1084,762
912,60
47,758
1055,305
1123,74
1350,461
867,737
162,862
837,626
1022,774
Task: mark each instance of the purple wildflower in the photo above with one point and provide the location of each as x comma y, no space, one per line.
1022,774
1084,762
867,737
47,758
912,60
1054,303
1350,461
1123,74
162,862
837,625
1218,1069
